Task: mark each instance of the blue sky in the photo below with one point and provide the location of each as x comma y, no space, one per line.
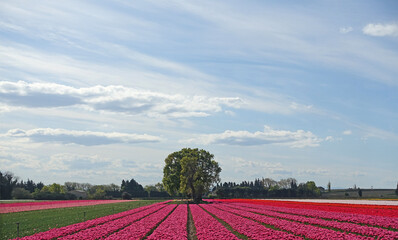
100,91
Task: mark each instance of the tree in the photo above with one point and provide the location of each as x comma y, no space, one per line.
149,189
191,172
7,183
133,188
329,187
21,193
268,182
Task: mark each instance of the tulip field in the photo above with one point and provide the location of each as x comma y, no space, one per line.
30,206
238,219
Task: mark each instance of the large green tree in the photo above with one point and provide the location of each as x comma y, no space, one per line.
190,171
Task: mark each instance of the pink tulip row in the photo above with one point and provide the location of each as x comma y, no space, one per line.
30,206
207,227
248,227
386,222
308,231
174,227
139,229
348,227
68,230
112,226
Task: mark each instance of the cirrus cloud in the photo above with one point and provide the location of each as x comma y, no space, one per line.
297,139
86,138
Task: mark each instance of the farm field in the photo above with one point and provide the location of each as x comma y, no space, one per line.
41,205
32,222
235,219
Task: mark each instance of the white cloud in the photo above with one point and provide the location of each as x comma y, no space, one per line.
87,138
297,139
381,30
329,138
113,98
345,30
312,172
347,132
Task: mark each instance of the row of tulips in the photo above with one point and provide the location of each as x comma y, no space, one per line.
344,226
112,226
139,229
207,227
304,230
366,209
174,227
68,230
31,206
386,222
248,227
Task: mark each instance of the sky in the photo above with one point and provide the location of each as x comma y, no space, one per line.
100,91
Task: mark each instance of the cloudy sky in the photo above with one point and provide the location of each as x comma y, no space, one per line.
100,91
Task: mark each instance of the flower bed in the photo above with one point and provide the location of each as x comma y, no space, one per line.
139,229
366,209
224,219
344,226
71,229
248,227
31,206
379,221
174,227
208,227
307,231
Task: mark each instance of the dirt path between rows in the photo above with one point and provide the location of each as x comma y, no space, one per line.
191,226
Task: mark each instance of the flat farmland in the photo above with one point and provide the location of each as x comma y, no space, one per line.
32,222
232,219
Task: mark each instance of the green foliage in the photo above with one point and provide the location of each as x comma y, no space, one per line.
52,192
32,222
172,172
21,193
126,196
133,188
99,194
191,172
56,188
7,184
266,187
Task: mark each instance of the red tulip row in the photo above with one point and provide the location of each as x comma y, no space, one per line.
71,229
304,230
366,209
139,229
30,206
347,227
174,227
248,227
386,222
207,227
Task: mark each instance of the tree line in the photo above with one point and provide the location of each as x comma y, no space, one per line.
266,188
13,188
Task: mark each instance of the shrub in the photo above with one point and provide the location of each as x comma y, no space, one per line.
126,196
21,193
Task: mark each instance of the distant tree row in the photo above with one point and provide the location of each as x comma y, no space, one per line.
265,188
12,188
